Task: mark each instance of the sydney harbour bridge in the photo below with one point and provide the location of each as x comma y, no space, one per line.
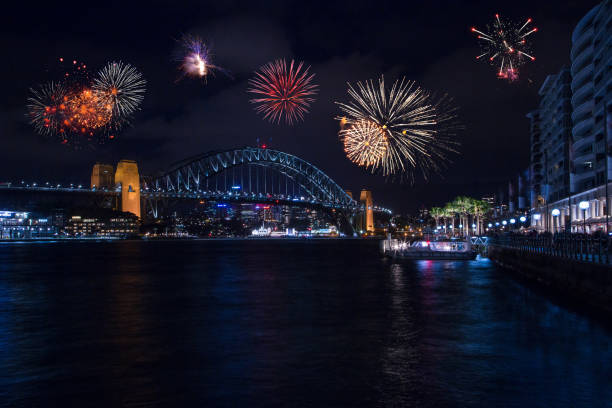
246,174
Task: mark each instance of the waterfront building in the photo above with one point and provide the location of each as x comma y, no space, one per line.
585,178
21,225
79,226
120,225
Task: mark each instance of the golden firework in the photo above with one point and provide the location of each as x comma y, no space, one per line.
365,143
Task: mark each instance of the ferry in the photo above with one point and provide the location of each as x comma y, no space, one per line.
428,250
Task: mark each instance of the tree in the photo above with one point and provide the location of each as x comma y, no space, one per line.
450,211
481,208
463,205
437,213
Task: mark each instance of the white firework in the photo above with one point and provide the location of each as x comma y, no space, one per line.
123,87
416,125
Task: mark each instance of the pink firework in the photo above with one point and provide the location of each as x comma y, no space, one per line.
282,90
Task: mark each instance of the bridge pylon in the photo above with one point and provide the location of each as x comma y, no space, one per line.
368,211
127,176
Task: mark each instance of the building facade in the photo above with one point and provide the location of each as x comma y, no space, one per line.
589,168
536,168
21,225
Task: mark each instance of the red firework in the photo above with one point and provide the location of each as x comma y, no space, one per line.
282,91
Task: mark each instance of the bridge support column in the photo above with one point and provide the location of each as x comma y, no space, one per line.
127,176
102,176
368,215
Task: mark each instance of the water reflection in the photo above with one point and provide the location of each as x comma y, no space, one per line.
401,358
258,323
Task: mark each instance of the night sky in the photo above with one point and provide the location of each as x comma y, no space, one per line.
429,42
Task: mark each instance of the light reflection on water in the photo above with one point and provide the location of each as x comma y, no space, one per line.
259,323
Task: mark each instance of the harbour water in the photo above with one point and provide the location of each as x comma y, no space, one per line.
284,323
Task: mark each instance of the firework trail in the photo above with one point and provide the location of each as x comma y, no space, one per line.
282,91
122,89
398,131
506,44
196,59
78,109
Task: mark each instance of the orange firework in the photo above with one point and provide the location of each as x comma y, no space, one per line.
87,111
81,109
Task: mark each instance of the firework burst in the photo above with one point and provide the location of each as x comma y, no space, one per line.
365,143
196,59
506,44
398,131
47,107
85,113
78,109
282,91
122,88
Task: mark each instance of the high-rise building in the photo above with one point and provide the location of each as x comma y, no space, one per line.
580,170
536,159
592,79
591,62
556,134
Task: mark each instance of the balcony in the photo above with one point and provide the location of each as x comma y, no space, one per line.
583,128
579,110
581,42
600,147
582,78
581,157
582,61
581,95
602,80
602,60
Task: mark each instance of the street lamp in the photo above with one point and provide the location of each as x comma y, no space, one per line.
555,213
523,218
512,220
583,206
490,225
504,222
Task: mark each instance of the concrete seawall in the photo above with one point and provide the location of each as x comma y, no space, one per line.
584,282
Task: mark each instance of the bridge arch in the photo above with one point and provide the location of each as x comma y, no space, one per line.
191,175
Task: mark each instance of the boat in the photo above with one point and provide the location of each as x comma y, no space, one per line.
448,249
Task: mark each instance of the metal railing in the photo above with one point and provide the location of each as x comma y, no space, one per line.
585,248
